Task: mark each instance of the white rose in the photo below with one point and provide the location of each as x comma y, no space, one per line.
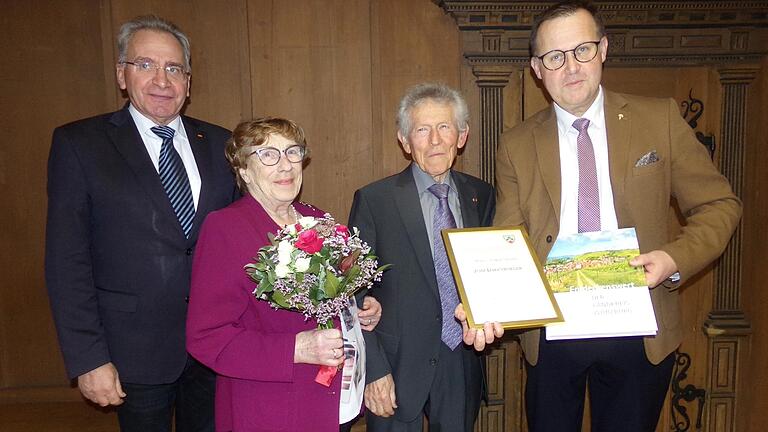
282,270
307,222
290,229
302,264
284,249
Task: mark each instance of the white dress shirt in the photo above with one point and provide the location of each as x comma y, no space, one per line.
569,167
153,143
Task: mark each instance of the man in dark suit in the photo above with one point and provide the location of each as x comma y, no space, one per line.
416,364
598,160
127,193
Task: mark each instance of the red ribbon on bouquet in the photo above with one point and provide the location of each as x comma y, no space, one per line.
325,375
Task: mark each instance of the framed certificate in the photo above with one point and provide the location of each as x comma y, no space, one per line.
500,278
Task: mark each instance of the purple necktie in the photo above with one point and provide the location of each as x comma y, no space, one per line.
589,192
451,333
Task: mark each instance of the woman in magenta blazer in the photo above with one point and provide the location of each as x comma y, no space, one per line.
266,359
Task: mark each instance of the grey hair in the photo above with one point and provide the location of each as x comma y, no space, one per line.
437,92
154,23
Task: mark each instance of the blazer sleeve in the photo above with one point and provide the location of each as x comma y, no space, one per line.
361,217
68,260
705,198
507,210
220,295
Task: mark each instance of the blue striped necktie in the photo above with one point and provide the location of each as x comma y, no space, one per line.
174,178
451,333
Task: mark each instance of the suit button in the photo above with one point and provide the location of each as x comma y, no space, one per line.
549,239
433,361
186,299
188,251
438,318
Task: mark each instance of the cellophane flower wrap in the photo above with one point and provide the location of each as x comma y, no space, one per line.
313,267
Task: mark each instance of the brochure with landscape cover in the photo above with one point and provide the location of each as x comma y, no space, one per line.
599,293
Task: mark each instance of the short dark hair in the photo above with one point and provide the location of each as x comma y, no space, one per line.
252,133
564,9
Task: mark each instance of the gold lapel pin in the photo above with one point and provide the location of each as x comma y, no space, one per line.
200,135
621,116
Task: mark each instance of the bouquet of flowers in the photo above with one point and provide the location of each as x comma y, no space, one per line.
313,267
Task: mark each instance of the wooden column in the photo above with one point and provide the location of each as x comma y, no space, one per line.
491,80
726,325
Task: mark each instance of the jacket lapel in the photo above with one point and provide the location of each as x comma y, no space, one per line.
548,154
467,199
126,139
406,198
618,123
198,141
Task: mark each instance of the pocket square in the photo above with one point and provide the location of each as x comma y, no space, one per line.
649,158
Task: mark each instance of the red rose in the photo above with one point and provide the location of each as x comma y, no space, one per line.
309,241
342,231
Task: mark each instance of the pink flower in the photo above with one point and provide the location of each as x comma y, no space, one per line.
309,241
342,230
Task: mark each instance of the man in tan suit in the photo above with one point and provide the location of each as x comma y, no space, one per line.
640,153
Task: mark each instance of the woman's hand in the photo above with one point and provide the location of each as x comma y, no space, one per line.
370,313
321,347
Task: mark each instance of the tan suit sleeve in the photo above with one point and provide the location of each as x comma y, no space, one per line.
705,199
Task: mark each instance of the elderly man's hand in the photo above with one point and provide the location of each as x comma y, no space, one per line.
380,396
321,347
478,338
658,266
370,313
102,385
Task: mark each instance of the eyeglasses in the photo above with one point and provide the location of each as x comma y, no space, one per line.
173,71
270,156
583,53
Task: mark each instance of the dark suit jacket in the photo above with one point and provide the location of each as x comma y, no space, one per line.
528,185
407,339
117,263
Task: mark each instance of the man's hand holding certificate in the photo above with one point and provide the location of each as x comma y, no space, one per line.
588,276
499,278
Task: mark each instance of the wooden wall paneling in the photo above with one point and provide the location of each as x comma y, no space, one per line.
417,42
751,413
470,156
312,64
535,97
51,74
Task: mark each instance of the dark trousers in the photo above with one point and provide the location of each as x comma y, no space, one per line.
151,408
453,402
626,391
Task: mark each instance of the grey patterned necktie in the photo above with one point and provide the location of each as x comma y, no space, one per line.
589,192
174,178
451,333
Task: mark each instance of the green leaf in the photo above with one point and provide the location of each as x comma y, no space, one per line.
314,265
279,298
332,284
264,287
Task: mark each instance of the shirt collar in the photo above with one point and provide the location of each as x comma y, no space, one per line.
144,124
594,114
424,180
